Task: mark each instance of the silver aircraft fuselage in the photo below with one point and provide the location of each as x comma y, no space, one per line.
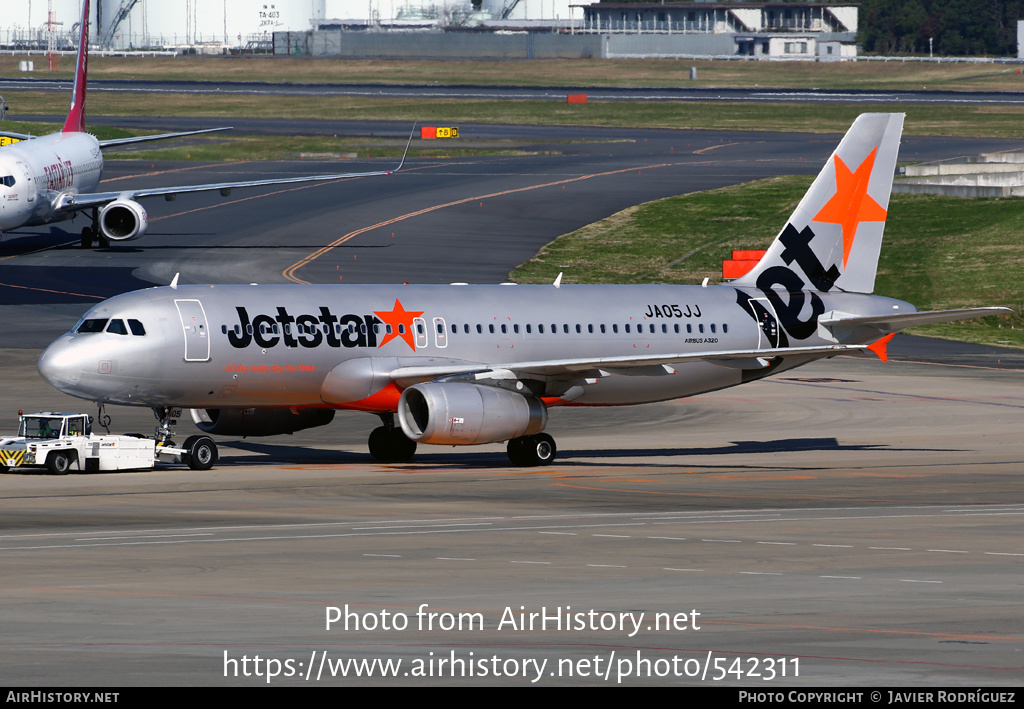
335,346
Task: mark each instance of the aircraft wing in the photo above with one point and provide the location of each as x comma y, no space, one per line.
146,138
636,364
16,136
68,202
114,142
75,202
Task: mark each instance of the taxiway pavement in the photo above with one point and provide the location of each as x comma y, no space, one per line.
852,524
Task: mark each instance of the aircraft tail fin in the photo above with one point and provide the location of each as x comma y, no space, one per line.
75,122
835,234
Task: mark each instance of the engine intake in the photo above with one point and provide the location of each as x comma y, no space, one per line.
259,422
123,220
465,414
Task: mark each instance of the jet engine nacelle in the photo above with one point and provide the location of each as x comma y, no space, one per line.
464,414
123,220
259,422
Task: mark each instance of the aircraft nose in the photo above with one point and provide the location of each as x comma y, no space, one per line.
61,365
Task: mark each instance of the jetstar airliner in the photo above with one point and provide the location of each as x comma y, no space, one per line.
462,365
54,177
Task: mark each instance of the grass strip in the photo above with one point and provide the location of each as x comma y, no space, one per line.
991,120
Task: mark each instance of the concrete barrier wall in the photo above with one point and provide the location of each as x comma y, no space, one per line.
984,179
1005,157
975,168
957,190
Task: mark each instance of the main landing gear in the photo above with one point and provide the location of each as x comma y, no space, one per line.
91,234
388,444
530,451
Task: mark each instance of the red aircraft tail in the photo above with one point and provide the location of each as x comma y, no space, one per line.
75,122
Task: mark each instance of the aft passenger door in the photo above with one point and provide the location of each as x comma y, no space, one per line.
768,323
197,334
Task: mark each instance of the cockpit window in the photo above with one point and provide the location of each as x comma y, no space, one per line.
8,180
92,325
117,327
136,327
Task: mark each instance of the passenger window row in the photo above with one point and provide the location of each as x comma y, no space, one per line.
565,328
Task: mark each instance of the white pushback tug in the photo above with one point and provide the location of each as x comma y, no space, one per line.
62,442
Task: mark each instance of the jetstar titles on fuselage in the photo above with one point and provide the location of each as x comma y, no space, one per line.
348,330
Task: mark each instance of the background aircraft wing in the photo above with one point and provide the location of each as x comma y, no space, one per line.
16,136
113,142
76,202
636,364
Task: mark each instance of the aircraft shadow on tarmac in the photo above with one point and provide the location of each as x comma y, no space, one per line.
19,243
567,458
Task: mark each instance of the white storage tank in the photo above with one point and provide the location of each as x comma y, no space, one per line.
176,23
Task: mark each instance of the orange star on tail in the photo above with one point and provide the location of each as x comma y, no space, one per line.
396,317
851,203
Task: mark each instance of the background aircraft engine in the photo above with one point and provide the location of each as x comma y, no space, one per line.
259,422
123,220
465,414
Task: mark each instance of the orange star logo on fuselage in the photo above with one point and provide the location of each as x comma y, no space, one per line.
400,321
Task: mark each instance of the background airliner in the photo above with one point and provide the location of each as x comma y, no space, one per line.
54,177
462,365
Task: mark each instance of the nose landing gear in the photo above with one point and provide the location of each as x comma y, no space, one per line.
200,451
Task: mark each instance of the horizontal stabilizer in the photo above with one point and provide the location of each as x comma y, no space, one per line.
899,321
